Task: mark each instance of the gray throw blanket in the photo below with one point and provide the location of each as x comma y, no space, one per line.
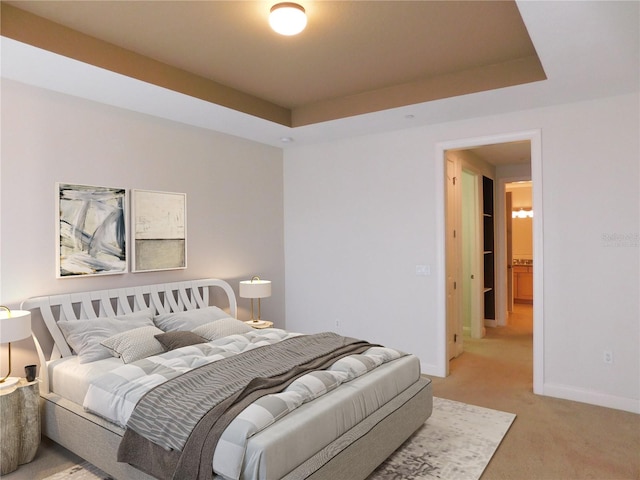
211,396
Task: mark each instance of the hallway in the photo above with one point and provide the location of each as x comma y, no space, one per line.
497,367
551,439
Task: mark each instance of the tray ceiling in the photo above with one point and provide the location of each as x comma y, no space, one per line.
353,58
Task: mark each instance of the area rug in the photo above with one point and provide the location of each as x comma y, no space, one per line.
84,471
456,442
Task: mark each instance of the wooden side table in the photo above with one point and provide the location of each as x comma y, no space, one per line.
20,426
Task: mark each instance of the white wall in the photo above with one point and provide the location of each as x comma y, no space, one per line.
355,227
233,186
360,214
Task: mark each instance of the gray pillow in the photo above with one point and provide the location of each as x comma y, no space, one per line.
84,336
189,319
173,340
135,344
222,328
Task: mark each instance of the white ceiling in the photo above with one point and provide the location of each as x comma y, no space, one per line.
512,153
588,49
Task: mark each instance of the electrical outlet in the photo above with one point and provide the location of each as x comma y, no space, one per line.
607,356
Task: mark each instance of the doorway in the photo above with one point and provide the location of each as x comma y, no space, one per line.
533,139
519,244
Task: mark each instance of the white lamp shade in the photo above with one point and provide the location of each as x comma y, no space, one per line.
14,325
255,288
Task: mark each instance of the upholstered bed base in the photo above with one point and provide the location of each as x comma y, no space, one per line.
86,435
97,440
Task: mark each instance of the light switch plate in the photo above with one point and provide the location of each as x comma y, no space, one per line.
423,270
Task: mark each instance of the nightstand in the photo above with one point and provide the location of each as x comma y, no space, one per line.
20,427
259,323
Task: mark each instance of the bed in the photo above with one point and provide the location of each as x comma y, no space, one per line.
345,431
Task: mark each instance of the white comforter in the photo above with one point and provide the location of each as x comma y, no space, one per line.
115,394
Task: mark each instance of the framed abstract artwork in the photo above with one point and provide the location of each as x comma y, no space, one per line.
91,230
159,230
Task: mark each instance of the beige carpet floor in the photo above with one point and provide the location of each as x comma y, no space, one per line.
550,439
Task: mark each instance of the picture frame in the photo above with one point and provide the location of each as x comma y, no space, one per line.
91,230
159,231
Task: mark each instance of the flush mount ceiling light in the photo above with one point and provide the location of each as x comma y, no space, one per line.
287,18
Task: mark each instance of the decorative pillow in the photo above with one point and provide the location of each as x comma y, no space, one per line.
189,319
222,328
135,344
173,340
84,336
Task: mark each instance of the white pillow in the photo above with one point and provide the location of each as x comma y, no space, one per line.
222,328
84,336
135,344
189,319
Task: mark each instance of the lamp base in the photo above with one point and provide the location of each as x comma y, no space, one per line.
259,323
9,382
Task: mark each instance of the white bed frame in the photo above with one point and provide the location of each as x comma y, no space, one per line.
97,440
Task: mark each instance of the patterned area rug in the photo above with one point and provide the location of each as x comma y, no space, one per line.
84,471
457,441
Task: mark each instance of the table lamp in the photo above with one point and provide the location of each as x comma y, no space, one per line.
14,325
255,288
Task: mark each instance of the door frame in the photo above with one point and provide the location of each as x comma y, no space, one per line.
535,138
508,236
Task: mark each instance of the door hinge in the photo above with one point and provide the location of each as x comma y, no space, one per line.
454,180
455,285
455,338
454,234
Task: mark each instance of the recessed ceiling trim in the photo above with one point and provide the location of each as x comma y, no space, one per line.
484,78
39,32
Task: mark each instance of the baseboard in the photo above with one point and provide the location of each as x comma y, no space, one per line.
432,370
591,397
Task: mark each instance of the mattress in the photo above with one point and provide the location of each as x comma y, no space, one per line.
304,432
71,379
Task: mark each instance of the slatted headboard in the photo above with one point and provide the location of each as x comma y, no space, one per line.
163,298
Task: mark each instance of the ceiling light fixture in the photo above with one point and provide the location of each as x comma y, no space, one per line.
522,213
287,18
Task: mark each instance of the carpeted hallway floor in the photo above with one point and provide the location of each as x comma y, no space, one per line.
551,439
